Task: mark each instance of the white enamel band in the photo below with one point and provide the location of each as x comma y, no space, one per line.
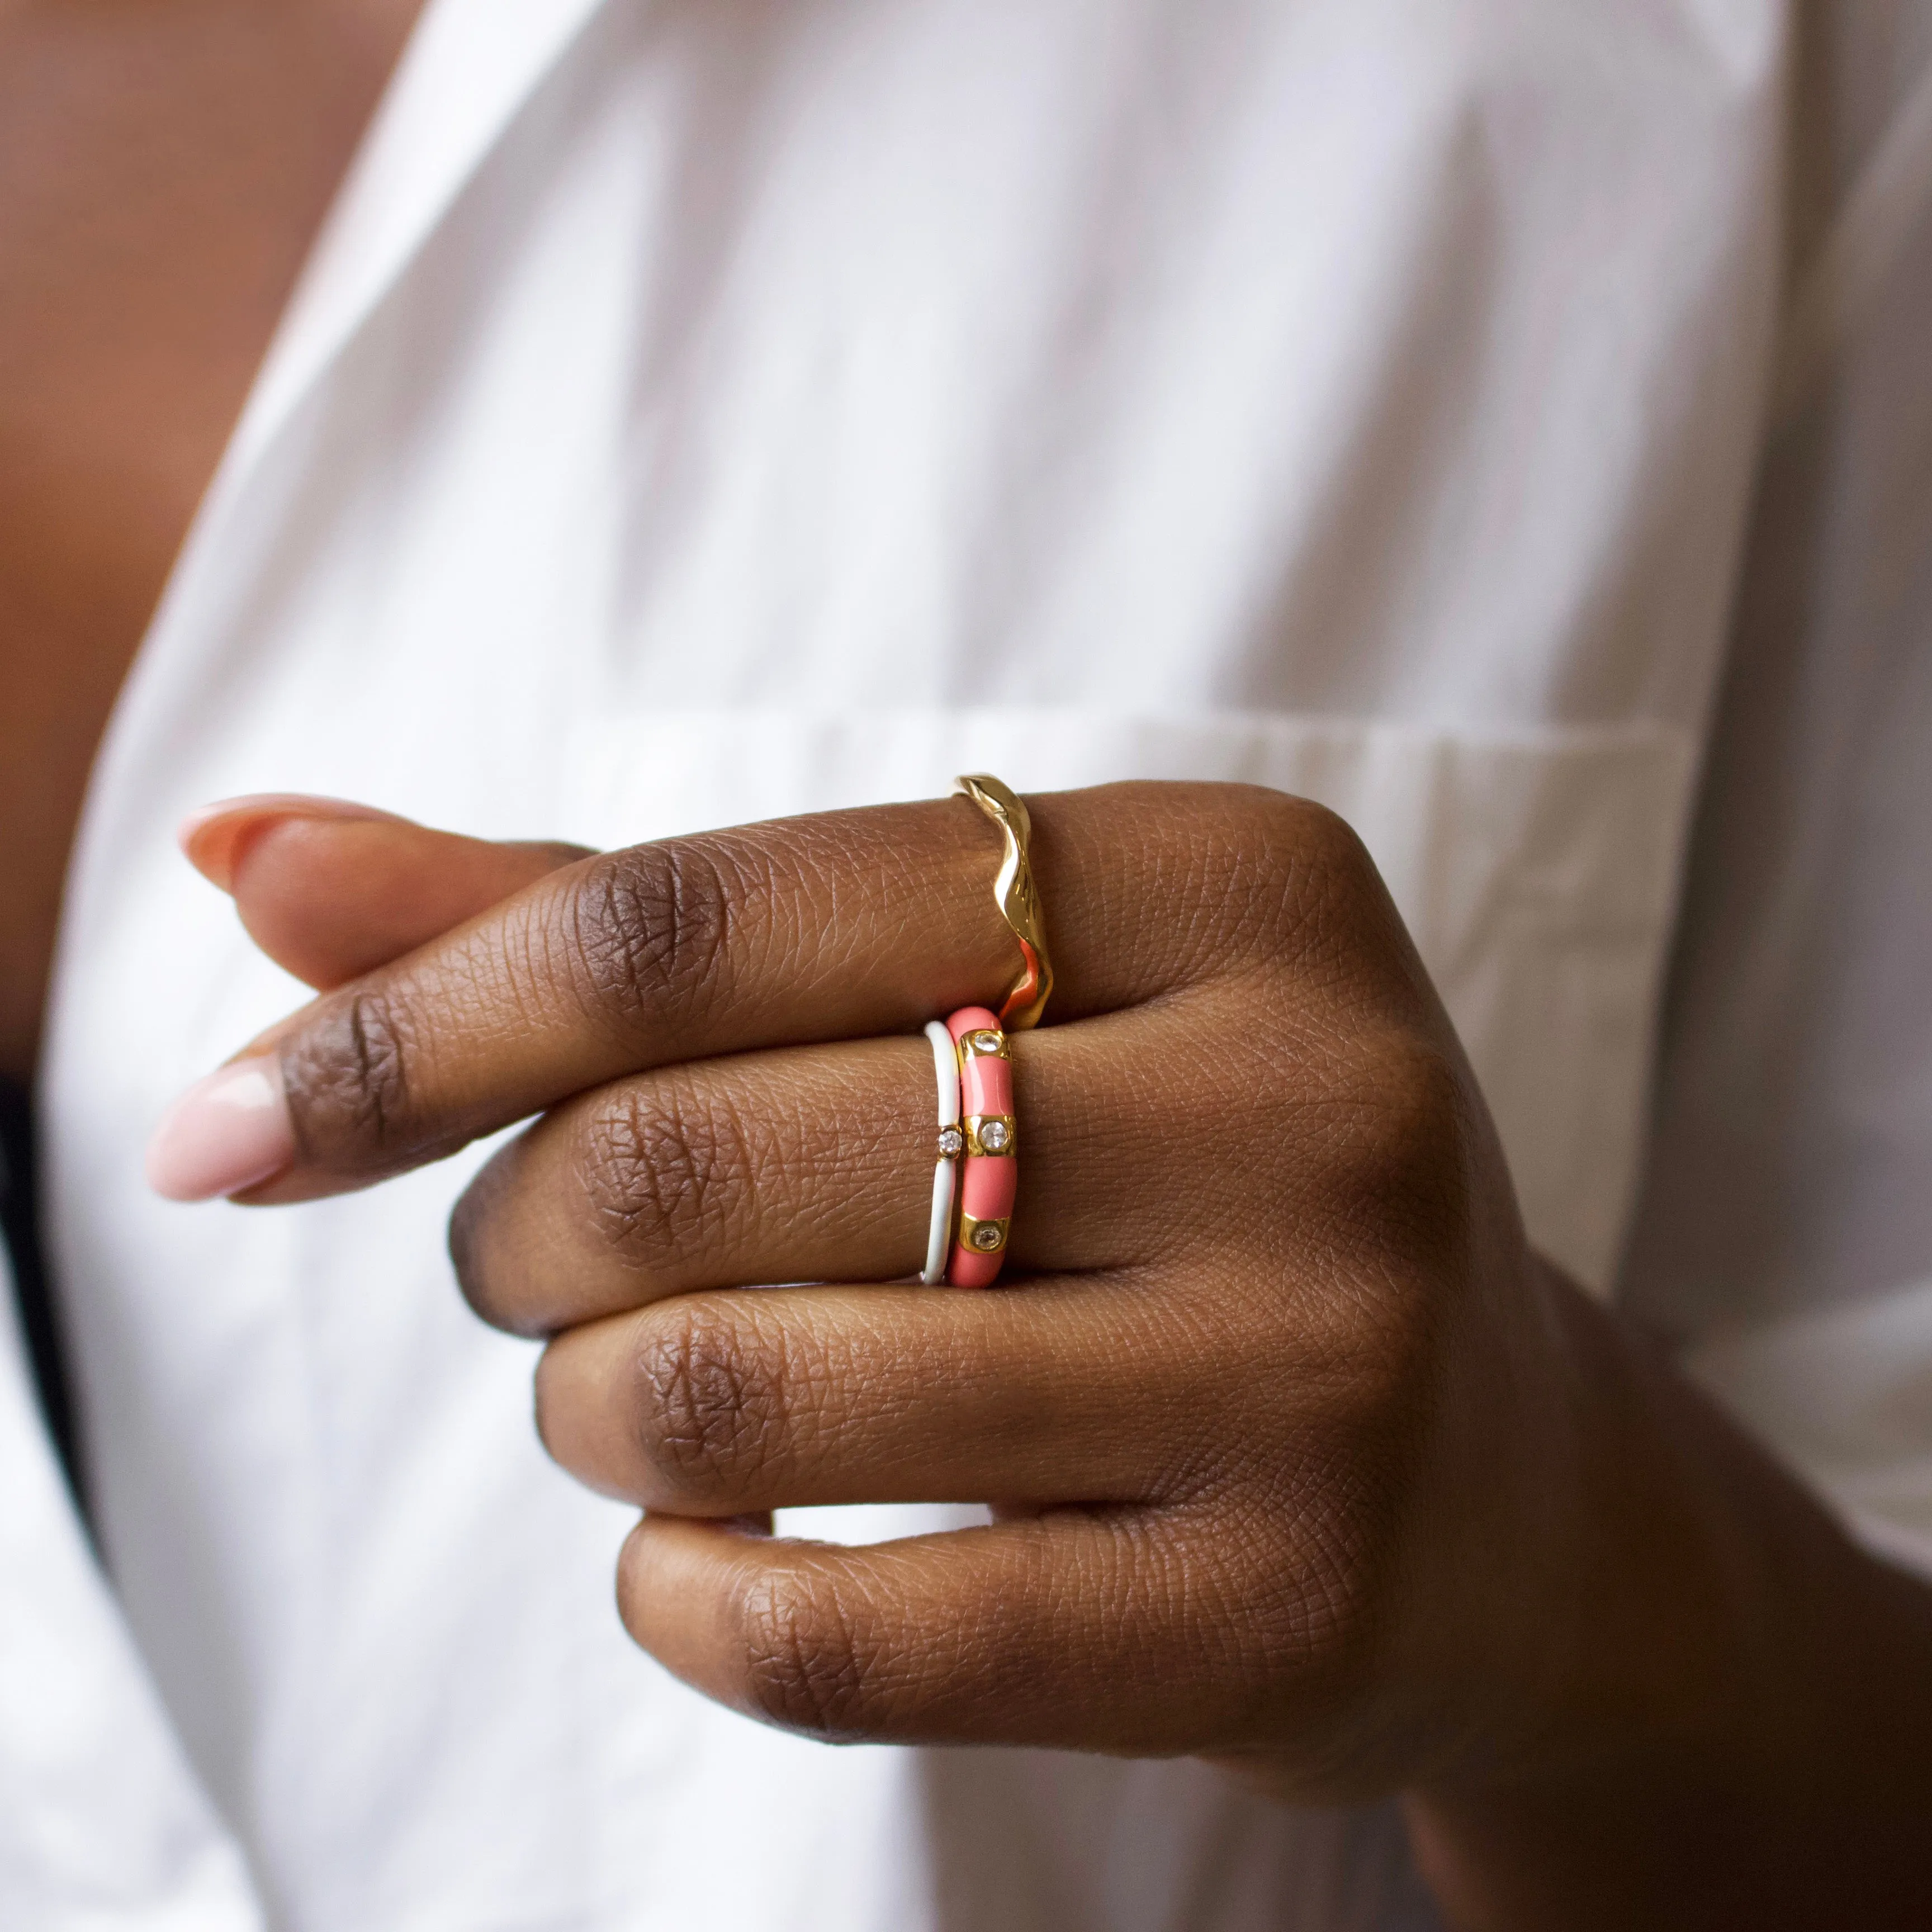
946,1172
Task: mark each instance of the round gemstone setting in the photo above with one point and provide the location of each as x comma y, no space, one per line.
984,1042
952,1143
994,1135
986,1236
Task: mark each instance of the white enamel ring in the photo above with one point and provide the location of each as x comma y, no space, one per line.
946,1171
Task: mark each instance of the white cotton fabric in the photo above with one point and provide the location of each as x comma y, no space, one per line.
706,409
1786,1234
102,1823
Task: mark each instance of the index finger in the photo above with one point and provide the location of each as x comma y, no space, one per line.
845,925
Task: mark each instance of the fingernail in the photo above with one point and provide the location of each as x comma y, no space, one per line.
227,1132
213,836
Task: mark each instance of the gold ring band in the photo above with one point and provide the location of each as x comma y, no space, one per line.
1018,898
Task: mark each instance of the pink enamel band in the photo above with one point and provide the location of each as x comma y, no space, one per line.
988,1169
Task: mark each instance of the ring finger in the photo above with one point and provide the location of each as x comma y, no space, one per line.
815,1164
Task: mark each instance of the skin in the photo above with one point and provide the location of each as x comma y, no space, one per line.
1307,1465
163,168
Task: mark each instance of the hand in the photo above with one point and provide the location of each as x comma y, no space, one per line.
1266,1271
1304,1461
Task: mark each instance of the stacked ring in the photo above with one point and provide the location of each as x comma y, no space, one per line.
1017,897
989,1173
976,1177
952,1145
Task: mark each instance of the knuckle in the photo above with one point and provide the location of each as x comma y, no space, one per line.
647,928
1316,862
661,1174
1306,1564
1282,822
1331,1624
1398,1180
1286,835
348,1080
1281,869
807,1667
710,1406
1325,839
1409,1157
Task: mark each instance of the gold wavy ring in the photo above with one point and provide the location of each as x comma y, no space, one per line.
1018,898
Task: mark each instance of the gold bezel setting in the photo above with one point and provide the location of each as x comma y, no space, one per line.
1005,1135
983,1238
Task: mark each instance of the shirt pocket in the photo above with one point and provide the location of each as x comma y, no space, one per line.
1537,870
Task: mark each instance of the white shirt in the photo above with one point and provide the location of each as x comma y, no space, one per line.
695,412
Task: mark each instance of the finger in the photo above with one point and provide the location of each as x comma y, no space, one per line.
330,889
850,925
815,1164
726,1405
1138,1632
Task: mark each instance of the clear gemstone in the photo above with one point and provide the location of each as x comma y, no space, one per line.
952,1141
986,1235
993,1136
986,1043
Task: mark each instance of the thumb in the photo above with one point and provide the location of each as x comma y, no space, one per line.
330,889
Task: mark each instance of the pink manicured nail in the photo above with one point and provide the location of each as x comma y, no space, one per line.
293,804
213,835
225,1133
